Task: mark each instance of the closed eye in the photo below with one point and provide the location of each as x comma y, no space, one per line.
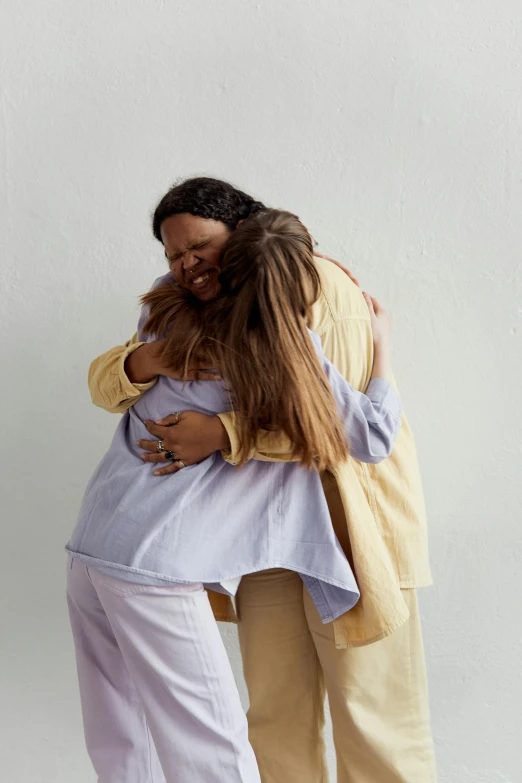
199,246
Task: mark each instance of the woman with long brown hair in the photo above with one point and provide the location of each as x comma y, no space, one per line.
148,651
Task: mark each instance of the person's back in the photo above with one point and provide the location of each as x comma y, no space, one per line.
209,522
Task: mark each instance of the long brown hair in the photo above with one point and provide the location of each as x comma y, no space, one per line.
256,334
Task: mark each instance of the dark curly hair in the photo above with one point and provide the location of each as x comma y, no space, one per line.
207,198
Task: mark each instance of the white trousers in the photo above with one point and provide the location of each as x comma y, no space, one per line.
158,696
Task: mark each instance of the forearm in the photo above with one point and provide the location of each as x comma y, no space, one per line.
109,385
382,362
371,420
142,365
121,376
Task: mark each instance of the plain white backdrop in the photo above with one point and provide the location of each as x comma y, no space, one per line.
393,128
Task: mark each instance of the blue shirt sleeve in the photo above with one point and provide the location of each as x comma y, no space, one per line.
372,420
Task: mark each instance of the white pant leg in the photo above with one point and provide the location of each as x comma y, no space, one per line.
116,731
172,648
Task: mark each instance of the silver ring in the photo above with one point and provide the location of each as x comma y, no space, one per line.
181,463
160,447
168,454
177,414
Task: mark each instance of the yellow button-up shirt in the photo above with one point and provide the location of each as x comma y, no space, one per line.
377,510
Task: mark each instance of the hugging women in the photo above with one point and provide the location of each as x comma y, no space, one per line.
257,354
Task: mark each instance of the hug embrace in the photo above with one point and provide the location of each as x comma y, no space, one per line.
263,473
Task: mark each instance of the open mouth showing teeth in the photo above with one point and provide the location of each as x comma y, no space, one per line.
201,279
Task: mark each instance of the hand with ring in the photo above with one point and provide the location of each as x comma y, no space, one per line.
181,439
166,453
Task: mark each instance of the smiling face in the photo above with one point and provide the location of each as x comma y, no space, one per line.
193,248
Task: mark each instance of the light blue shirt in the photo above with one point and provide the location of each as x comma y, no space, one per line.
212,522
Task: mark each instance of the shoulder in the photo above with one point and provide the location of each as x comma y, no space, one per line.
340,298
162,280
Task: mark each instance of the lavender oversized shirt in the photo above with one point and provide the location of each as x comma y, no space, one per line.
212,522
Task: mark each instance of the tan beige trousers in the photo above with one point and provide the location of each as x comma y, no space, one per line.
378,694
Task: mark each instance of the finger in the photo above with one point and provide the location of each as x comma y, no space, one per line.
170,420
369,302
347,272
155,429
341,266
154,457
170,468
149,445
377,306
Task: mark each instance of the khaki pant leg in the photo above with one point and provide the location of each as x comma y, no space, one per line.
378,699
284,680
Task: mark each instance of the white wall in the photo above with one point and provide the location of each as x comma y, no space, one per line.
393,129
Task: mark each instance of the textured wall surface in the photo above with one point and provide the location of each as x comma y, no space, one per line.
393,129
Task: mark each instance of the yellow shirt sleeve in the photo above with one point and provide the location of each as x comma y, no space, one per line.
109,385
270,446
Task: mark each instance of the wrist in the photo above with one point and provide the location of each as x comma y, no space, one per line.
382,342
153,360
382,360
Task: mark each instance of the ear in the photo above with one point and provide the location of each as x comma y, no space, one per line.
239,222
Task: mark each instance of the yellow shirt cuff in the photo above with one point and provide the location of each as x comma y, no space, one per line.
230,455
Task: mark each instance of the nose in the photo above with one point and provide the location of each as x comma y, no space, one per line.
190,261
